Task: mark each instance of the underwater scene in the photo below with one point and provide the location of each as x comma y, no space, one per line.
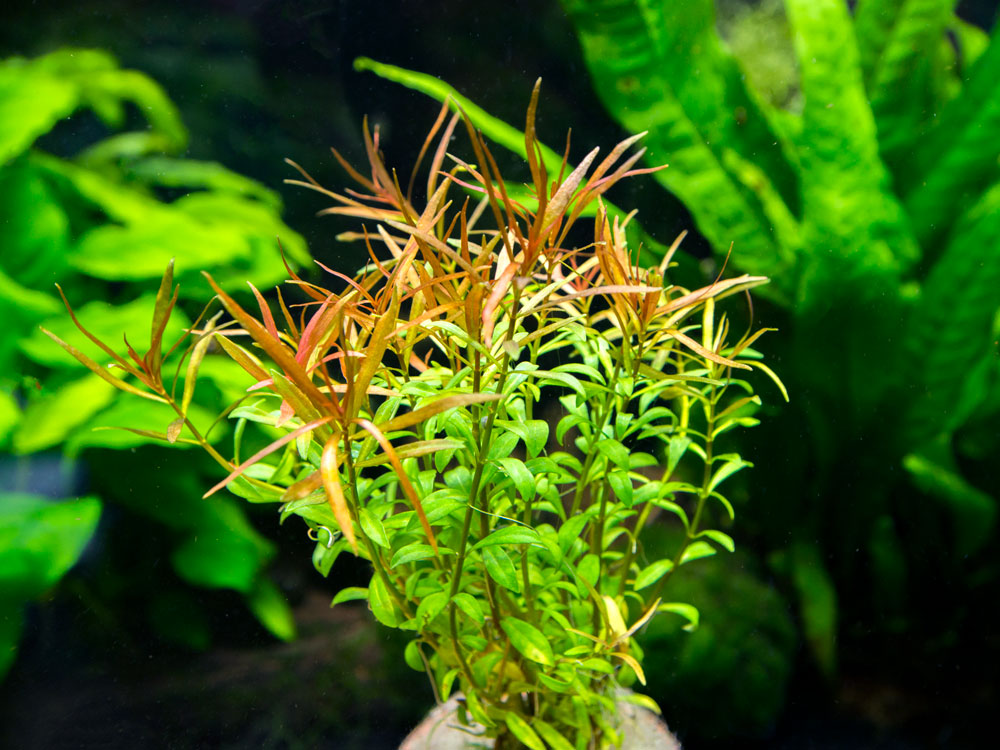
549,374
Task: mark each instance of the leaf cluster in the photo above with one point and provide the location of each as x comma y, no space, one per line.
868,190
490,412
100,219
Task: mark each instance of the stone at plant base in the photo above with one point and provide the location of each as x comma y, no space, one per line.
644,730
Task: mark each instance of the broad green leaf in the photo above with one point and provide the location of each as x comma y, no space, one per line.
40,540
848,204
271,609
493,128
31,103
529,640
189,173
661,67
899,46
220,560
51,417
959,157
107,428
513,534
35,232
950,328
501,568
652,573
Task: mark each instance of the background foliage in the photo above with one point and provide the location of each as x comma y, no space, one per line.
276,79
101,224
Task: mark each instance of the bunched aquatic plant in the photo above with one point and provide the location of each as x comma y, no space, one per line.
490,412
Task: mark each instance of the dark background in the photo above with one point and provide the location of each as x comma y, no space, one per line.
257,82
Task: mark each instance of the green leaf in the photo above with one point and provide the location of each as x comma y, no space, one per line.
687,611
412,553
974,512
507,535
899,43
382,605
50,418
550,734
40,540
571,530
430,607
523,479
10,415
35,233
722,539
696,551
373,528
136,414
950,328
661,67
621,484
529,640
614,451
220,560
349,594
845,186
725,471
959,157
817,604
534,433
31,103
271,609
523,731
189,173
501,568
652,573
470,605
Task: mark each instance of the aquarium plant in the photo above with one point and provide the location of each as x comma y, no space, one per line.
491,411
96,197
857,165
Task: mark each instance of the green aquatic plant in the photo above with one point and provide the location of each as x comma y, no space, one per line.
490,412
869,191
95,198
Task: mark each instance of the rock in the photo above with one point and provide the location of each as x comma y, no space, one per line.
644,730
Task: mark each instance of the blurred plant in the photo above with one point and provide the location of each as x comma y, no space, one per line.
102,224
39,541
468,414
876,208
